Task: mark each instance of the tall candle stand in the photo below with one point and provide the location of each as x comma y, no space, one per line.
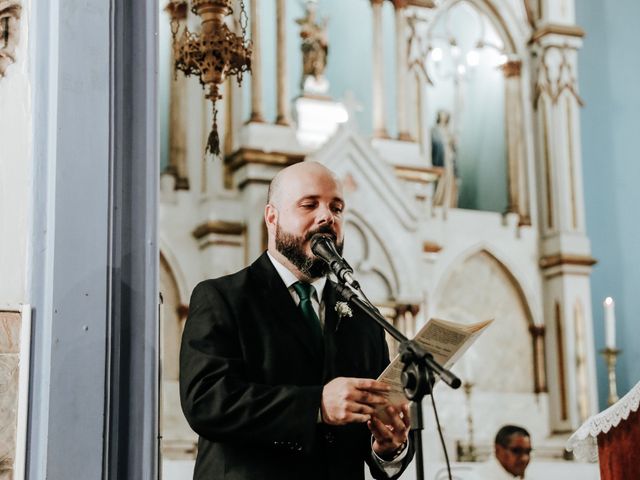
611,357
467,453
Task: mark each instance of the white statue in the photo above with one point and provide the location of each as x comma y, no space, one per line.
443,154
315,49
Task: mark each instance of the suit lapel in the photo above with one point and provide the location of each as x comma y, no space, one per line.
275,296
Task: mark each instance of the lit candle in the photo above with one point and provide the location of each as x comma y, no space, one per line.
609,323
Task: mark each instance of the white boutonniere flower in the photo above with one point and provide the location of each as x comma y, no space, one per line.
343,309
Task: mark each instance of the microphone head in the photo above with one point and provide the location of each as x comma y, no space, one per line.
323,246
321,237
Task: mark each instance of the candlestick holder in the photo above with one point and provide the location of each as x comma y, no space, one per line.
611,357
467,453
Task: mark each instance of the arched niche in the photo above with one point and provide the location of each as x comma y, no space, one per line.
178,440
370,260
480,287
171,323
470,71
376,272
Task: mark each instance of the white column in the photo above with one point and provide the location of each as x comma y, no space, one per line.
379,128
401,69
565,252
177,136
281,65
256,70
516,161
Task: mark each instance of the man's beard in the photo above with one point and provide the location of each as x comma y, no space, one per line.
292,247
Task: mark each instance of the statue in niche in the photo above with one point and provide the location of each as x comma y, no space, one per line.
315,49
9,32
443,155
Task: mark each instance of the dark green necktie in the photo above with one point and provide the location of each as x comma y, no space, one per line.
306,307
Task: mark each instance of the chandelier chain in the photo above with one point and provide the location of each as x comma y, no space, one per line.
244,21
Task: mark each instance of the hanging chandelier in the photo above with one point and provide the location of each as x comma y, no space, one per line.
214,53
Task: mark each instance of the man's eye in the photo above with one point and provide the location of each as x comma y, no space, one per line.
337,209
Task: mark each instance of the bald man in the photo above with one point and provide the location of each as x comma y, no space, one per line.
276,385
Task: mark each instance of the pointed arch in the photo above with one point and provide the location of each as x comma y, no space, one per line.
480,286
505,266
172,313
169,259
178,440
370,257
505,27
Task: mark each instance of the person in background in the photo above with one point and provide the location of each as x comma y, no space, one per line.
512,453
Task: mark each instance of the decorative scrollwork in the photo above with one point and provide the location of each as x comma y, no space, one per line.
10,11
214,53
553,82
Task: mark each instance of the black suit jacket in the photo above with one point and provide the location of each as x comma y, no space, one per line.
251,381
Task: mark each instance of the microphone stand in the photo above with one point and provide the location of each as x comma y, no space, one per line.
418,373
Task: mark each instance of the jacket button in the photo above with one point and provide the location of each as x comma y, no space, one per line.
330,438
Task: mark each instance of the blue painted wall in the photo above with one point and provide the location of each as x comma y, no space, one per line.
609,71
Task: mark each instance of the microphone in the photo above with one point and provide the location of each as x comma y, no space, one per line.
323,247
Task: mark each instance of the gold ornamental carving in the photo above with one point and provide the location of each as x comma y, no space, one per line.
566,259
220,227
512,68
10,11
554,29
564,79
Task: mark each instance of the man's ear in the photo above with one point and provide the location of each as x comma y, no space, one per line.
270,216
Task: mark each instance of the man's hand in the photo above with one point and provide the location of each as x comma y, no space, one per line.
351,400
389,438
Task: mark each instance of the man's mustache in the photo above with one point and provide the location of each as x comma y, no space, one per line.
327,230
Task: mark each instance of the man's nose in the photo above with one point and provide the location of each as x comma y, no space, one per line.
325,216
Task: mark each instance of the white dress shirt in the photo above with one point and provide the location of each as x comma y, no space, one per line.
289,279
493,470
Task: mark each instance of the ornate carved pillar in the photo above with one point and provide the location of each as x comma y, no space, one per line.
228,144
401,69
177,135
178,92
281,65
406,318
516,157
256,65
389,312
557,104
379,127
401,316
565,250
539,370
